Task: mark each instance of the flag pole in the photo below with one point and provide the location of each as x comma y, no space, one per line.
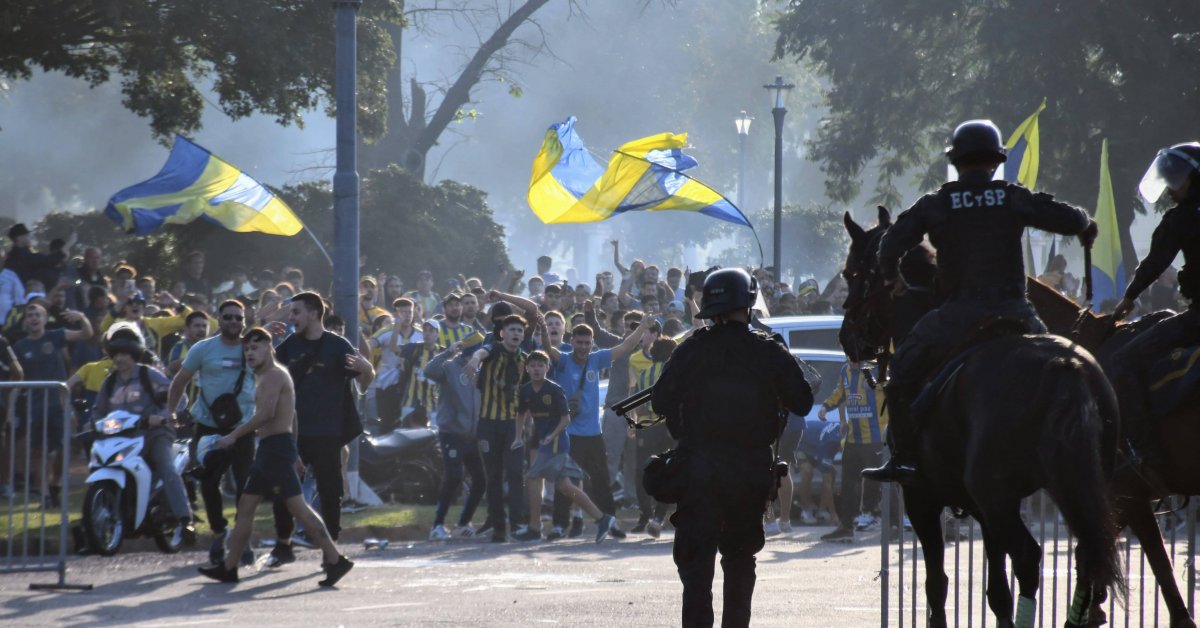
317,242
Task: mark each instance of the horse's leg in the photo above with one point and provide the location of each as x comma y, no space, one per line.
1141,520
1027,563
926,518
998,594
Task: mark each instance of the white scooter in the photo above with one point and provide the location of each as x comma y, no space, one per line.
123,498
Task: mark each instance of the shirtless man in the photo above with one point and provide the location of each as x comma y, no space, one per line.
274,468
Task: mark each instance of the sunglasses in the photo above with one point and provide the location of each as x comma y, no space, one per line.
232,317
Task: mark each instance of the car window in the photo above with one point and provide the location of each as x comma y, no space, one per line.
814,339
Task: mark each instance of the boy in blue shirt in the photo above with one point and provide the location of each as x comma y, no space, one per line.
544,404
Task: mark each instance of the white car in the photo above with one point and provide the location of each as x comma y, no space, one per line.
808,332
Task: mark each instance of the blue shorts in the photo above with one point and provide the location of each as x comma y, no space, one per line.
274,469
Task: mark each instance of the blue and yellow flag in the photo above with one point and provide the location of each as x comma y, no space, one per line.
193,184
1108,269
1023,149
643,175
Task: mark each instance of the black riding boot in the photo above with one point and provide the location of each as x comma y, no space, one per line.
1136,418
901,467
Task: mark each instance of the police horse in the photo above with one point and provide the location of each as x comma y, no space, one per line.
1136,486
1018,414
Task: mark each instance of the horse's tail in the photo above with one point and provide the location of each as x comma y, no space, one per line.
1071,459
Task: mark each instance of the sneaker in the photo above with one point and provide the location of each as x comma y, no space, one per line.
521,529
184,534
334,572
464,532
576,529
839,535
654,528
771,528
616,532
219,573
824,517
247,557
216,551
640,527
351,506
527,535
485,529
498,536
604,526
302,540
807,518
866,522
555,534
280,555
439,533
785,526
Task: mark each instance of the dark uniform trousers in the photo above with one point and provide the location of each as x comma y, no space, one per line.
1132,362
721,511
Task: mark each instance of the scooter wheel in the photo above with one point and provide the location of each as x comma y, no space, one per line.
103,526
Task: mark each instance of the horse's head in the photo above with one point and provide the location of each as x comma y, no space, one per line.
866,329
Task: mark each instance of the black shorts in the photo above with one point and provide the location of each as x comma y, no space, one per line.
274,469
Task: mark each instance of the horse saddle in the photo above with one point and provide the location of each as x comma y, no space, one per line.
988,330
1173,379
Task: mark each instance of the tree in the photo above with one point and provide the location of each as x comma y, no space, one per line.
900,75
269,56
411,130
814,237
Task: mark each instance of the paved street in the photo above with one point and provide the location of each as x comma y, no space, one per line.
632,583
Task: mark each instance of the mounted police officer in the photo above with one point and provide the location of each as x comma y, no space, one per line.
976,225
1175,170
723,393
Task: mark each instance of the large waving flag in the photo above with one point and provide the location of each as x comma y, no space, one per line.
643,175
1108,276
1023,149
193,184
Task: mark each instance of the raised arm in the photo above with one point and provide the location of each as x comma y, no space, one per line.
616,244
85,332
529,307
633,341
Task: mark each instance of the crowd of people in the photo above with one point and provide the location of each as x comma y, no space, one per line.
509,373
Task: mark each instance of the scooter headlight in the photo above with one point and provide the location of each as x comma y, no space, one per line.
109,426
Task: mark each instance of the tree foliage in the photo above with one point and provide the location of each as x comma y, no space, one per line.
269,56
900,75
407,226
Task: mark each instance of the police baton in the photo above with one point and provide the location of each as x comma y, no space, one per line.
1087,273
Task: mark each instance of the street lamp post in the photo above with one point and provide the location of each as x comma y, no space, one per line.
742,122
779,94
345,179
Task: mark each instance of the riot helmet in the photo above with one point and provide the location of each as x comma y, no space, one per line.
976,141
727,290
1170,170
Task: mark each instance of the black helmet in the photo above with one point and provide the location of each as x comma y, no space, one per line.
976,140
727,290
1170,170
125,338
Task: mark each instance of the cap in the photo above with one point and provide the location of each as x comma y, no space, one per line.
18,230
675,306
429,322
472,341
453,296
136,297
34,295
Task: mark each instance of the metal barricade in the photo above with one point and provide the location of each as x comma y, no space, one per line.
30,544
902,574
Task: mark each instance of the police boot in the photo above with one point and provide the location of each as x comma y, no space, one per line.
901,467
1136,420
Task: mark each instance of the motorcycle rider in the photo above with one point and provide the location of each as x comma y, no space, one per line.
976,225
1175,170
722,392
125,389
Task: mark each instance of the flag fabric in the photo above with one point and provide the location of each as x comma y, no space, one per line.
194,184
1108,269
1023,149
643,175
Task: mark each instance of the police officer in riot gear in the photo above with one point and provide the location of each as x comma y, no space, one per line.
1176,171
976,225
724,393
